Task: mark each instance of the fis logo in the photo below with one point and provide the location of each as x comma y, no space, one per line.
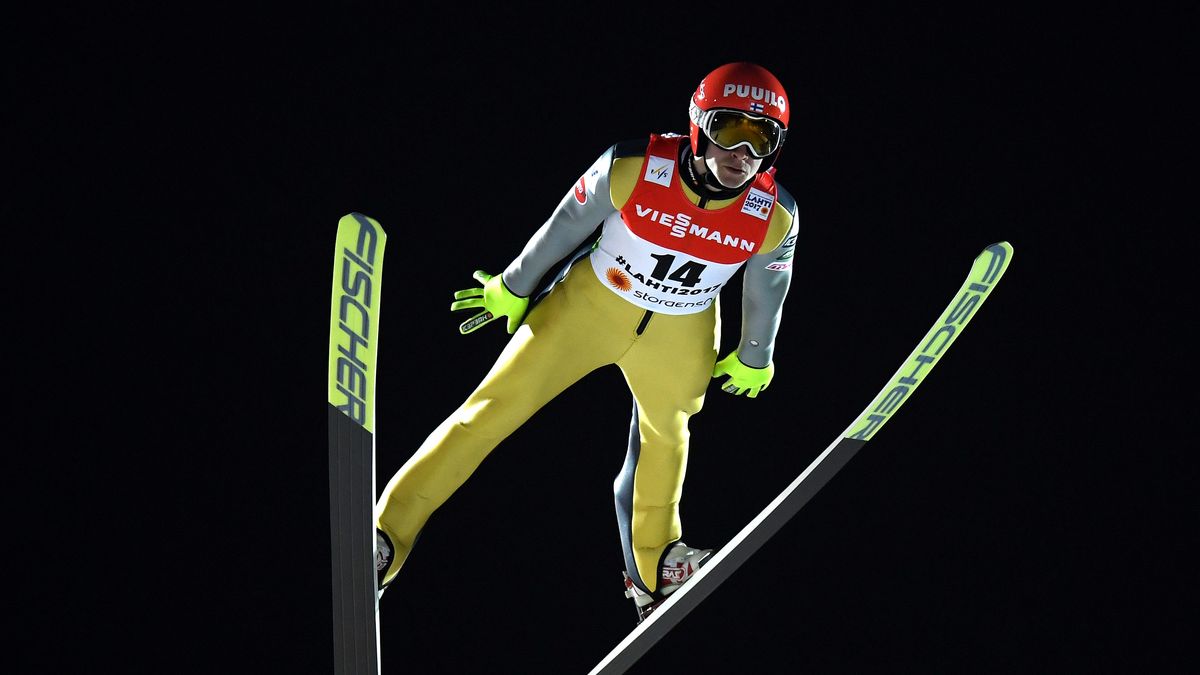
660,170
755,94
758,204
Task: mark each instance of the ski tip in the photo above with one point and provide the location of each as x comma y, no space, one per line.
991,263
999,246
1000,252
354,217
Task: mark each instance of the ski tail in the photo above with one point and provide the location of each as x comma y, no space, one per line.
353,348
985,273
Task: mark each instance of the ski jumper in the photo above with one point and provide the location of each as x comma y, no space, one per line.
646,300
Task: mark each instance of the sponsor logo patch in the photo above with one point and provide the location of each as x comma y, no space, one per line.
581,191
681,225
767,96
787,255
660,170
779,266
758,204
618,279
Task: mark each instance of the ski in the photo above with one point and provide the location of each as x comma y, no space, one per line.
353,346
986,271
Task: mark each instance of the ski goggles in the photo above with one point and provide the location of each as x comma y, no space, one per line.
729,129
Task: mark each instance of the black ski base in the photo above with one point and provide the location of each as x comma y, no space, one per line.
352,546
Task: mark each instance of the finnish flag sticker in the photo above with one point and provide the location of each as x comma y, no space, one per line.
756,107
659,170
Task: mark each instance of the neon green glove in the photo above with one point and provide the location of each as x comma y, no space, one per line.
743,379
496,301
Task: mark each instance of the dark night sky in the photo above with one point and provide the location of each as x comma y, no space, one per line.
1017,515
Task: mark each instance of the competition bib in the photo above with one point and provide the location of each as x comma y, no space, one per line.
664,253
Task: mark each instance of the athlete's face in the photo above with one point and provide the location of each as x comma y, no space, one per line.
732,168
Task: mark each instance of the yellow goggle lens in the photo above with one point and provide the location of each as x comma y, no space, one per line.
730,129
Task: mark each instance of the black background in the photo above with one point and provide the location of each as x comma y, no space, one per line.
181,176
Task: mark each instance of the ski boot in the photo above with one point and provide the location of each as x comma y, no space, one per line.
680,564
383,559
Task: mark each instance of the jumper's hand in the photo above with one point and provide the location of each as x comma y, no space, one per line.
496,301
743,379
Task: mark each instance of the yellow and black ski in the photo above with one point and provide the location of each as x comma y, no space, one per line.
353,346
986,271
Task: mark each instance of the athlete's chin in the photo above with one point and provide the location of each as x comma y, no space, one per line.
732,178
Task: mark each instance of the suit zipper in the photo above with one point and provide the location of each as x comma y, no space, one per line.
646,317
645,320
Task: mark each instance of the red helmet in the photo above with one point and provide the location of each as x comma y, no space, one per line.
740,104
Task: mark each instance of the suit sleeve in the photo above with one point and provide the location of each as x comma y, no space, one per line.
584,207
764,286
